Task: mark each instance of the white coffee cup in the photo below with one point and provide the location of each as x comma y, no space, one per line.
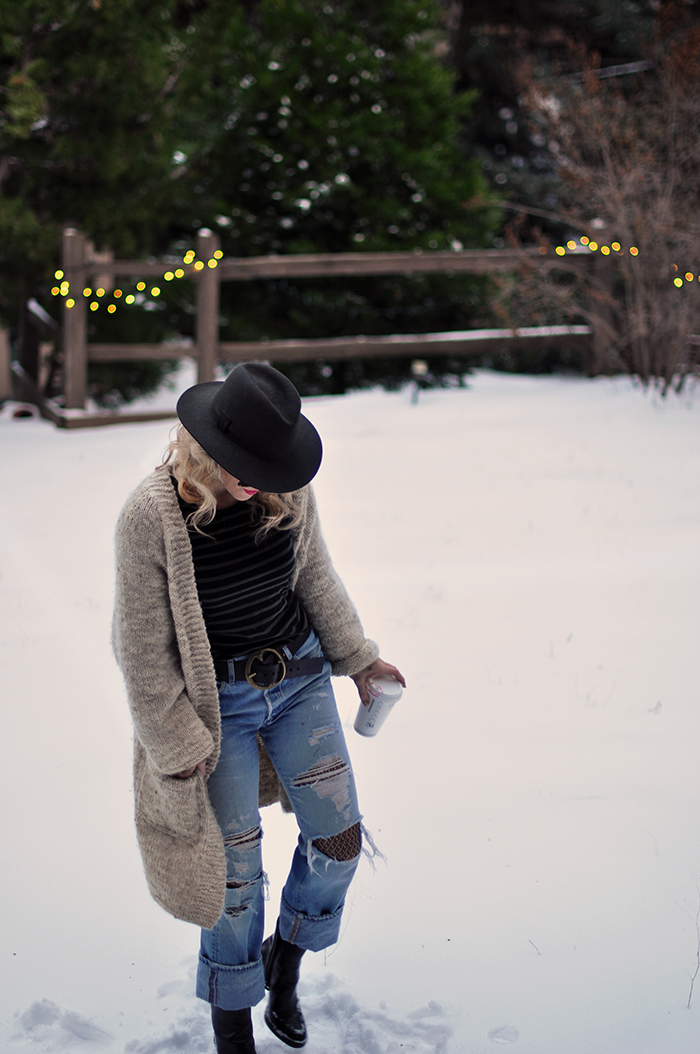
383,693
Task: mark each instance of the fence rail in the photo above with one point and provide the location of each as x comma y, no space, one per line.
208,270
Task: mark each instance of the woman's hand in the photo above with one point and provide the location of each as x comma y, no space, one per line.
186,773
379,668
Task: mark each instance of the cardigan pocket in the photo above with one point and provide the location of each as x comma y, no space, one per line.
172,805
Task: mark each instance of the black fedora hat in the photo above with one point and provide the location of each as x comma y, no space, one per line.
251,424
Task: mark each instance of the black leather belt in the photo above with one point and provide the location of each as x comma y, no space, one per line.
268,667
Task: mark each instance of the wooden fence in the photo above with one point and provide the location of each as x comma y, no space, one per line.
81,265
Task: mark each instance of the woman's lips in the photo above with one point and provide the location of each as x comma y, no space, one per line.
249,490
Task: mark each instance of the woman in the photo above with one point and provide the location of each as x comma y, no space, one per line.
229,621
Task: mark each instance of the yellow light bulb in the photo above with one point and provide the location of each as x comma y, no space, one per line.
560,250
130,298
70,303
218,254
634,251
585,240
199,265
571,245
64,288
99,292
111,308
678,282
605,249
117,293
140,286
58,275
593,246
55,291
94,306
689,276
179,273
616,246
168,276
87,291
212,263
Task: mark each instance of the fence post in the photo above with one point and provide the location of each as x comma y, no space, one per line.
106,279
74,252
207,328
5,372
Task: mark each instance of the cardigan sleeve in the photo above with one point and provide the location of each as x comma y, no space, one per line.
144,641
326,601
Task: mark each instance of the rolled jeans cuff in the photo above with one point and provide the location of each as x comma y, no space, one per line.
230,987
312,933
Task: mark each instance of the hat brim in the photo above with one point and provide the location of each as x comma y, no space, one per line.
297,467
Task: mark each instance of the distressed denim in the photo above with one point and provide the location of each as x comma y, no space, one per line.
299,724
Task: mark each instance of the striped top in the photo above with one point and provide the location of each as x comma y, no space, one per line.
244,584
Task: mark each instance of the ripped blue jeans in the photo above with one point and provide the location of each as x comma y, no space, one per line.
299,724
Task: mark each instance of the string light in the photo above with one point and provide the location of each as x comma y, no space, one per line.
189,261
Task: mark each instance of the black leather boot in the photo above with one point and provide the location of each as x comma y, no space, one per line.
233,1031
283,1015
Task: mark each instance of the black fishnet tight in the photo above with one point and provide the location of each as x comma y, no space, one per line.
343,846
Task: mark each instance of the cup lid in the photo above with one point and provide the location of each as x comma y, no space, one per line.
386,686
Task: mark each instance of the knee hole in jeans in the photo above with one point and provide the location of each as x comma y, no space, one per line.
343,846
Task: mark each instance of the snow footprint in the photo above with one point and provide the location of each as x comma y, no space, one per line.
504,1034
55,1028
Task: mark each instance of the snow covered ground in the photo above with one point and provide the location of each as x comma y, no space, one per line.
526,550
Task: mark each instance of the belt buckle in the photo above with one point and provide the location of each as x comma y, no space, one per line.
258,655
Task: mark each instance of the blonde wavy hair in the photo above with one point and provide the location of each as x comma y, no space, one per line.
196,473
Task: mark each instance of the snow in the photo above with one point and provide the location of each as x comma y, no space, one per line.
526,551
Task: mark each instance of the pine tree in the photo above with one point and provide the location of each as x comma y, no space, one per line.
327,126
288,125
86,131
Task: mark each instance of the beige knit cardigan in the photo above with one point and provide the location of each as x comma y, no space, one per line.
161,645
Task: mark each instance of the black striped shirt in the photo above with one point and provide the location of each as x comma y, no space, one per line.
244,584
